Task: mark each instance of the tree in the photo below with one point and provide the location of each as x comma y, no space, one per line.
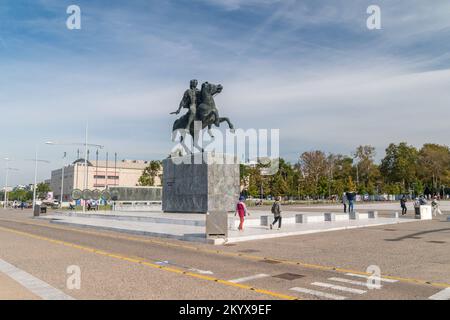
314,166
42,189
150,173
21,195
434,163
400,164
281,180
367,172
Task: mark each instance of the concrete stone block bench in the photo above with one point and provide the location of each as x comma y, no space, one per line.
332,216
266,220
358,215
373,214
308,217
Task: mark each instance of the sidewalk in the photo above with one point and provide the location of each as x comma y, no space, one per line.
184,229
11,290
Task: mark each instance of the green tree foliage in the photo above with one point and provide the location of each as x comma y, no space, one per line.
434,164
20,195
403,169
41,190
400,165
152,171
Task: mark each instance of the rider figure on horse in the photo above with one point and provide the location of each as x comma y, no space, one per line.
190,101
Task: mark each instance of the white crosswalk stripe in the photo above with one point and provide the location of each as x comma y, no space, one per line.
367,277
244,279
441,295
318,293
356,283
339,288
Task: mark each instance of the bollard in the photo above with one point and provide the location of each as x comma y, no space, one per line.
395,215
265,221
300,218
329,216
354,215
373,214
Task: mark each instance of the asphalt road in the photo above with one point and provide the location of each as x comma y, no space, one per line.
414,259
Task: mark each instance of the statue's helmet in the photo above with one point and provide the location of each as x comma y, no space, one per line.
193,83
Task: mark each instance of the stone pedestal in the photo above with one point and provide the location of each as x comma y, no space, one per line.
425,213
200,183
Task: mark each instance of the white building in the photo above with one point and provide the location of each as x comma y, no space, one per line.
101,174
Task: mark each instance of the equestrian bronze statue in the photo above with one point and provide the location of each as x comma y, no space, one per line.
201,108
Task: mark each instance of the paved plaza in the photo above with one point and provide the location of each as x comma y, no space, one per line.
412,256
191,227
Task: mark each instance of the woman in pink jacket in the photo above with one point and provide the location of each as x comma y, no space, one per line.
241,210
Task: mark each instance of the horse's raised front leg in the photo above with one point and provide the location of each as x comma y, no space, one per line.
210,132
230,125
195,139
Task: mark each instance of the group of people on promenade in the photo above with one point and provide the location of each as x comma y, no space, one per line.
241,210
420,201
348,200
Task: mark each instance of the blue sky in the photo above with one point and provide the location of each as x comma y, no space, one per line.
309,68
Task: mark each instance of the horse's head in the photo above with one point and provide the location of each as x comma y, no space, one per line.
211,89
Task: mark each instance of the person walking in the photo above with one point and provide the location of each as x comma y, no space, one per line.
403,201
344,201
276,210
351,198
417,207
241,210
435,207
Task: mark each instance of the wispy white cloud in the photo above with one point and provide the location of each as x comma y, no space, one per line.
238,4
311,69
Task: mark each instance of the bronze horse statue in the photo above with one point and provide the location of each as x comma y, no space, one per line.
207,114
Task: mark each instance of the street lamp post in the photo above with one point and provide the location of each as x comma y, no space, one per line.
86,152
62,179
36,161
6,181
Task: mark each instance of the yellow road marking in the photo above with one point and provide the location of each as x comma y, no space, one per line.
235,254
142,261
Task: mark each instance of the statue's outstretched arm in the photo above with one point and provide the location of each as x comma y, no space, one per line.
183,102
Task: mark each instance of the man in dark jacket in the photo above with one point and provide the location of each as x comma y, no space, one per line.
403,201
276,210
351,200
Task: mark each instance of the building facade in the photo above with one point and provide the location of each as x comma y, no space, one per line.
99,175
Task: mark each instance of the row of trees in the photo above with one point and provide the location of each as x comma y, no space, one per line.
404,170
26,195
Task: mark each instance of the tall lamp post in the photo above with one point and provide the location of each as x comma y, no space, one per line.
6,181
62,179
36,161
86,146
